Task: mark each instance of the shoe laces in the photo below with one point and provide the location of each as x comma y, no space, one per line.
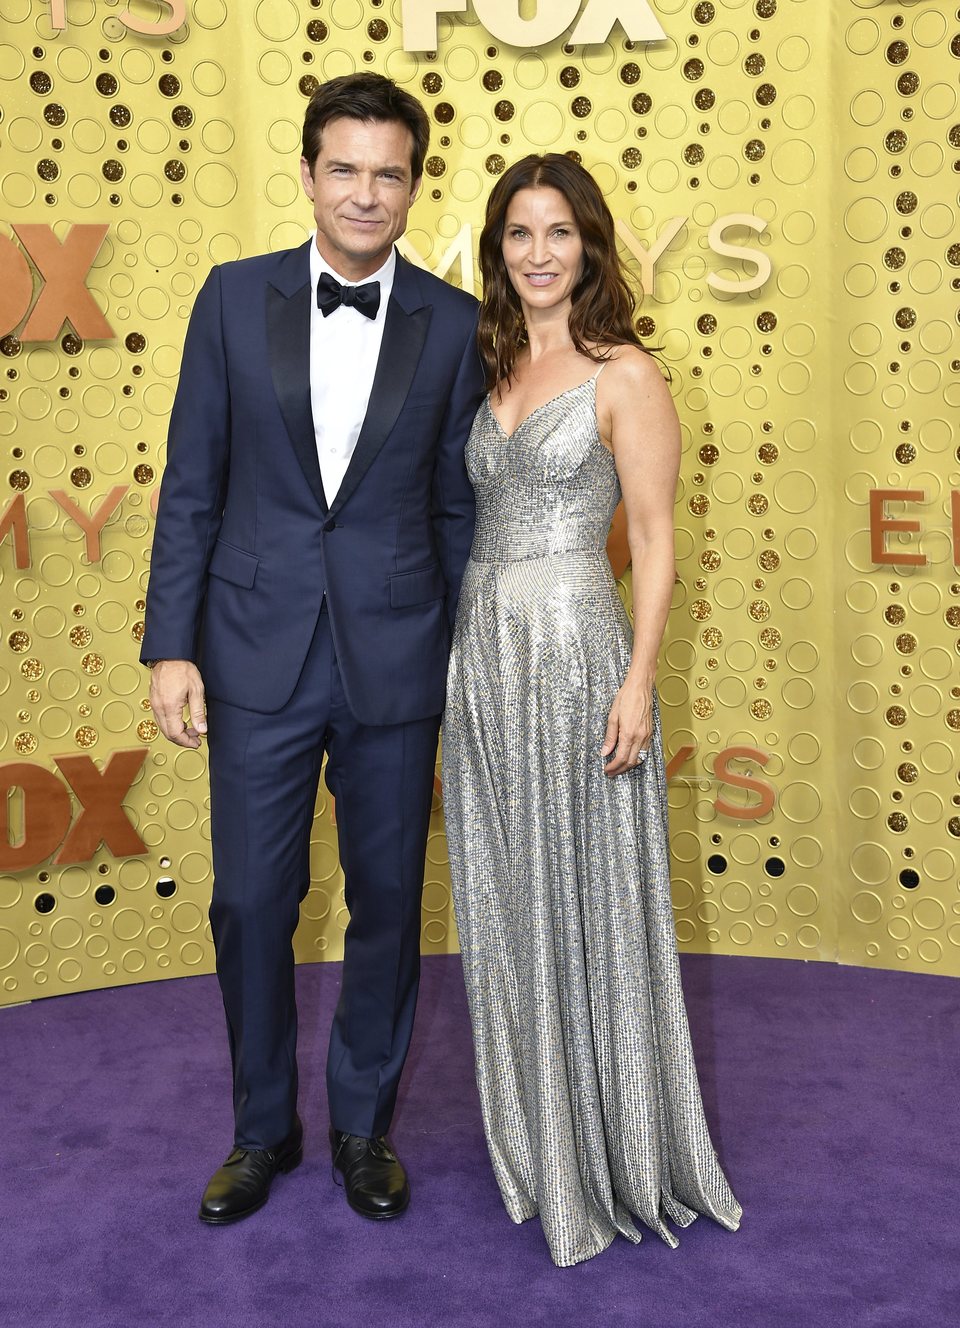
378,1146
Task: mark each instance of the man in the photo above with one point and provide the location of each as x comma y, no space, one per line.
314,522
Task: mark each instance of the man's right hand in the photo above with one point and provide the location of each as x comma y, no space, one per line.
175,686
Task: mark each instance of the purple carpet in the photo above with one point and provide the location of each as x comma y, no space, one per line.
832,1092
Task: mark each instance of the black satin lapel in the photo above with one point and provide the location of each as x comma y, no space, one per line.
403,338
288,342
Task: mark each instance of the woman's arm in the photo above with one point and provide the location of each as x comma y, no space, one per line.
638,422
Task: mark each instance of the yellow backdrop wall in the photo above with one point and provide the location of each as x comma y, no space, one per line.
784,178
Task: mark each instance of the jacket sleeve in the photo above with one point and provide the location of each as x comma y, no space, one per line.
453,500
193,486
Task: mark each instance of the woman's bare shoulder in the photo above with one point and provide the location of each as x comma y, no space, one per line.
632,369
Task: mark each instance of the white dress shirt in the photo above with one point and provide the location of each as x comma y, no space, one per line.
344,349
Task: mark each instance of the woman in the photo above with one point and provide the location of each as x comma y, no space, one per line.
554,779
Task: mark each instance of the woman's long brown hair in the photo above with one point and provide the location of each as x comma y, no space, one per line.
603,305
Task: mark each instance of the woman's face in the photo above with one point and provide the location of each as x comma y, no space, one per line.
542,248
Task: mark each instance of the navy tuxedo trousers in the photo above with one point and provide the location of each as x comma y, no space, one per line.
264,771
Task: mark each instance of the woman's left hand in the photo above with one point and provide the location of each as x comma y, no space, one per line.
629,729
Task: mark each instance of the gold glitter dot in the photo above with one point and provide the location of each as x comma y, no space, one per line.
702,707
706,324
709,454
700,583
710,560
19,642
897,822
905,453
701,609
953,719
31,668
712,637
757,503
895,614
92,663
769,560
137,630
94,689
713,662
83,710
770,638
33,696
896,716
953,825
952,615
86,735
80,636
759,610
760,684
23,716
907,772
699,504
20,480
906,643
25,743
770,665
143,474
631,158
148,730
761,709
704,99
754,149
81,477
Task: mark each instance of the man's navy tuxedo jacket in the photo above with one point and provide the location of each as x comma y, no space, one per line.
246,545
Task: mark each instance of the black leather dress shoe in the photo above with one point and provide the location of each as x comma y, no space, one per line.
242,1184
375,1182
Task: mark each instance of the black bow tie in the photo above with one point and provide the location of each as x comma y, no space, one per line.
330,295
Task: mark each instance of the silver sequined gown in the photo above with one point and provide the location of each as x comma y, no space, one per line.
588,1087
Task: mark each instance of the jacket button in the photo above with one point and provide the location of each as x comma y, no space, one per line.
328,526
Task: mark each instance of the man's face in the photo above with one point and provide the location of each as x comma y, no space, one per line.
361,188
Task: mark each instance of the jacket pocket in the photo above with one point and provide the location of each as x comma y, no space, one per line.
418,587
235,565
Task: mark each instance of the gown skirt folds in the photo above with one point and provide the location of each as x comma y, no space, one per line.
588,1087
